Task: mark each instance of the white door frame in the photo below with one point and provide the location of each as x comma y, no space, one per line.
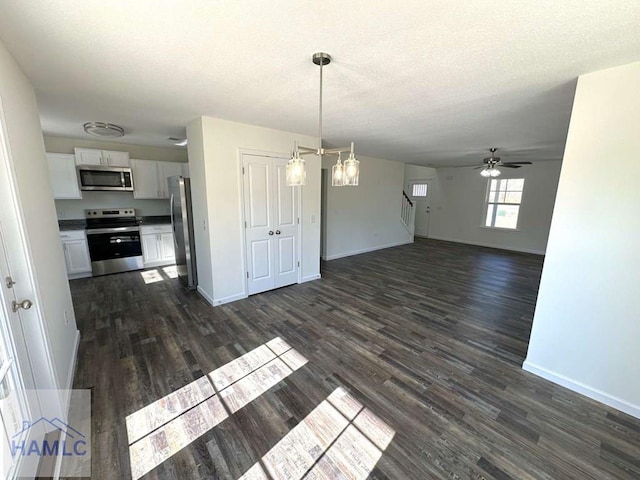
259,153
34,359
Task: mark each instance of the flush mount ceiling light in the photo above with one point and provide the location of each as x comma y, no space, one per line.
342,174
102,129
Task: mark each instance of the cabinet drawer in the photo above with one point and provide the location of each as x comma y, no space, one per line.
148,229
72,235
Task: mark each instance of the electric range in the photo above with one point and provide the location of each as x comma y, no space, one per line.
113,236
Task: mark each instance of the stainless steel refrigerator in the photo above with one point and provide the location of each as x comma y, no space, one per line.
182,225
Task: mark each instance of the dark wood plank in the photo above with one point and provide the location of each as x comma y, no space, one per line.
430,337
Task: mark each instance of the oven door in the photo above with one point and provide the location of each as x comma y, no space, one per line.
114,249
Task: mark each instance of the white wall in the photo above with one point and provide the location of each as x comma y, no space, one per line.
367,217
586,325
31,173
74,209
416,172
214,164
199,206
161,154
457,207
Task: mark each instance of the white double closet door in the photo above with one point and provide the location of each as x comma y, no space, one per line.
271,224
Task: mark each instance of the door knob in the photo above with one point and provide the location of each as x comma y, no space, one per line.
270,232
25,304
9,281
277,232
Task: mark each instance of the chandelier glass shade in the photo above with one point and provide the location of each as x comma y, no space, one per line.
296,172
342,174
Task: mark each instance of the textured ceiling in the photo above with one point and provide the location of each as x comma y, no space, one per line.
425,82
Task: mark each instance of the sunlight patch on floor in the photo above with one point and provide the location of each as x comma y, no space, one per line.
151,276
338,439
164,427
171,271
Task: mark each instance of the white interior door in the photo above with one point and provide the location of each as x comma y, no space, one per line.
14,374
259,224
286,228
420,193
271,228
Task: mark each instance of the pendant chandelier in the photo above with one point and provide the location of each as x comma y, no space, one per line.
342,174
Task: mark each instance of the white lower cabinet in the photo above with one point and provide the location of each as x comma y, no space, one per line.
76,253
157,245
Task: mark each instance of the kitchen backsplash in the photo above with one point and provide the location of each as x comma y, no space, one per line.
72,209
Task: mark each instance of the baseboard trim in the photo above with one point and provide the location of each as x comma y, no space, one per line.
75,276
310,278
229,299
488,245
581,388
72,365
204,295
366,250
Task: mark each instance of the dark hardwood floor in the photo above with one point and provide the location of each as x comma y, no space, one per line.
429,337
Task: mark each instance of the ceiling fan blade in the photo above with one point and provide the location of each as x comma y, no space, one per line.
517,163
481,166
507,165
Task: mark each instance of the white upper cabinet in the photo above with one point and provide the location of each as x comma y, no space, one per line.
166,170
150,177
108,158
64,179
145,179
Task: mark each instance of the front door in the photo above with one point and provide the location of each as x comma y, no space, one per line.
420,191
271,224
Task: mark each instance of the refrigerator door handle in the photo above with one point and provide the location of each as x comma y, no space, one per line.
173,227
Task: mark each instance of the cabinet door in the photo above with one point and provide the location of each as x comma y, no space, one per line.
150,248
166,170
64,179
145,179
76,255
115,159
166,247
88,156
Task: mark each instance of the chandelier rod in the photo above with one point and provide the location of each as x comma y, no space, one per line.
320,111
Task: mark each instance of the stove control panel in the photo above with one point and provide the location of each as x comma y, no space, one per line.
120,212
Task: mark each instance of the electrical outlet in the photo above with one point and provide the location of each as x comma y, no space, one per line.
66,317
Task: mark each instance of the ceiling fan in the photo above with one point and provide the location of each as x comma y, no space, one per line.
491,163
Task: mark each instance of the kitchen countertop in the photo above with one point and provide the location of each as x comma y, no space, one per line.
80,224
155,220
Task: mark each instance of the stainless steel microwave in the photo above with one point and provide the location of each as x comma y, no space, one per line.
97,177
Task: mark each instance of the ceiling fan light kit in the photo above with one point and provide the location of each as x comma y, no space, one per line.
490,171
103,129
492,162
342,174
